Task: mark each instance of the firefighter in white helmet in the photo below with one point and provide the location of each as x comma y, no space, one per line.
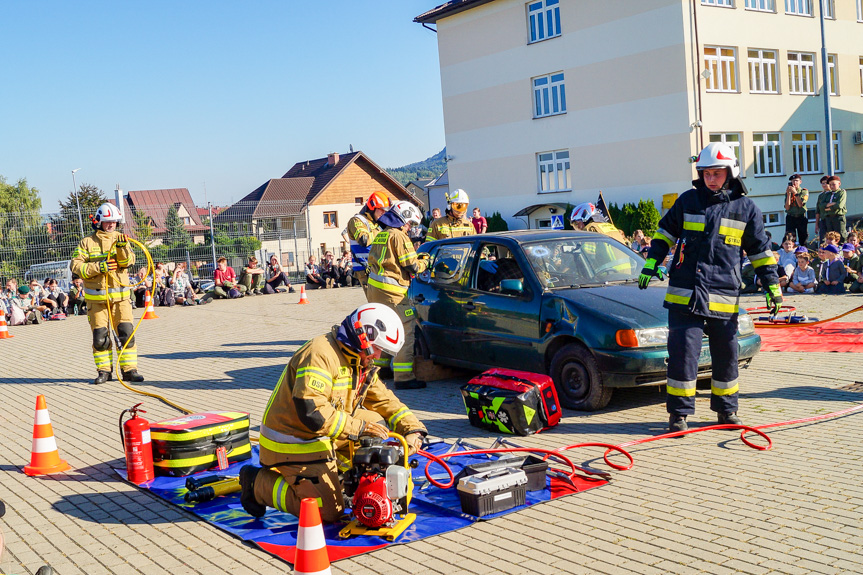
102,260
392,263
454,223
586,217
708,227
328,396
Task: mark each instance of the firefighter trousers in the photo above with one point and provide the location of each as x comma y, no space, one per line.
121,321
685,334
363,278
403,362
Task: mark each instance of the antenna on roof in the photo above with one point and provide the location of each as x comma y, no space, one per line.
351,148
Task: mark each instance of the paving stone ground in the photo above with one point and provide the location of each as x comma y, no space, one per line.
704,503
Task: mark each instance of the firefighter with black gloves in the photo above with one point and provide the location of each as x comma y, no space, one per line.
392,263
101,260
709,225
361,230
455,223
328,396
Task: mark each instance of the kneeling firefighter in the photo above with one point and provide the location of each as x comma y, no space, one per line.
328,396
102,260
713,222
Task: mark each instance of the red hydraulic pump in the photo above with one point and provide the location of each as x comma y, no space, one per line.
136,444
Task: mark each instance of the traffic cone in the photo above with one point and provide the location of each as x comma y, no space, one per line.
4,331
303,297
311,558
149,312
44,457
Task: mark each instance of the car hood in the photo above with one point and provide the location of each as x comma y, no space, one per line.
635,308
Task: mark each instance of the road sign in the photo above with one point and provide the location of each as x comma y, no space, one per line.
557,222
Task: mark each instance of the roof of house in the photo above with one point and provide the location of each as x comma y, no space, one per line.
156,204
448,9
421,182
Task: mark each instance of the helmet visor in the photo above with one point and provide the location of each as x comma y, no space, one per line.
459,206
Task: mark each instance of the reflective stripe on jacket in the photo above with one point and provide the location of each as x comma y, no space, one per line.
450,227
708,231
361,231
309,412
392,261
91,251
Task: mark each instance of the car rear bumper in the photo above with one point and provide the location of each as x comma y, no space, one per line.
634,367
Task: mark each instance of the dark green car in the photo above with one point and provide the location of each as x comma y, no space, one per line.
562,303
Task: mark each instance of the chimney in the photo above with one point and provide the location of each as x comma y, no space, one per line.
332,159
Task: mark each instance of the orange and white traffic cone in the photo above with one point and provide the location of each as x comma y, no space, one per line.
312,557
149,312
44,457
4,331
303,297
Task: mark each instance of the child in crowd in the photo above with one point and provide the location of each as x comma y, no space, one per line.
852,263
77,304
787,257
833,238
803,277
831,272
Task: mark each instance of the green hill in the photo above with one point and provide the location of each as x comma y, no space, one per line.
429,168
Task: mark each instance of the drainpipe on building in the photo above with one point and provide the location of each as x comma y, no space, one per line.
699,121
825,87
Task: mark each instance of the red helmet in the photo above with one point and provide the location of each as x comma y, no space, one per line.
378,200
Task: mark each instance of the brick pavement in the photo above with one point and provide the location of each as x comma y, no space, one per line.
700,504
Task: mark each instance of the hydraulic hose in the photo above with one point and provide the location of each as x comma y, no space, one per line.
776,324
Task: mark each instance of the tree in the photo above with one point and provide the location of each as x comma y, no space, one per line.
176,235
496,223
143,228
647,217
23,234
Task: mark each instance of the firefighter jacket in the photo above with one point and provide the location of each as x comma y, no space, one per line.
361,231
393,261
450,226
712,228
311,406
94,249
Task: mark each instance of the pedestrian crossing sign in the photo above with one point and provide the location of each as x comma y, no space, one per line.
557,222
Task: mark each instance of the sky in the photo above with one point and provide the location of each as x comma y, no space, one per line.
215,96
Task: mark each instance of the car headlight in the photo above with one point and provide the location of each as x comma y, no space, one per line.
642,337
745,325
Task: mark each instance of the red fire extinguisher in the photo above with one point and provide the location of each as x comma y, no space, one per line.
136,444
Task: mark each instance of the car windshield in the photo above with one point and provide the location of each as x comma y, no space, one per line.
566,262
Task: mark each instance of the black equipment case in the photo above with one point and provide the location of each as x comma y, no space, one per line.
189,444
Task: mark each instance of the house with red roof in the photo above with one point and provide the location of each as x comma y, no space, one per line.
154,206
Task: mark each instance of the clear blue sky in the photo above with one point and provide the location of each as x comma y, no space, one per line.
174,94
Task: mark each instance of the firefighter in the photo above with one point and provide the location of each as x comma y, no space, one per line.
586,217
454,224
101,260
392,263
713,222
361,230
328,396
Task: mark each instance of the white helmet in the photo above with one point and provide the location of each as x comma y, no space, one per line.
107,213
582,212
457,196
407,213
382,325
718,155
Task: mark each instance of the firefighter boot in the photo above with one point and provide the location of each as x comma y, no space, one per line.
248,473
677,423
102,377
729,418
133,376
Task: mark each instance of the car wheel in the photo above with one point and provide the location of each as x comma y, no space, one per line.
578,379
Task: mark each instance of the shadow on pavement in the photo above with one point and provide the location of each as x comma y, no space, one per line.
251,343
98,508
807,393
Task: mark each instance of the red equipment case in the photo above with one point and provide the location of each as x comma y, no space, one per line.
507,392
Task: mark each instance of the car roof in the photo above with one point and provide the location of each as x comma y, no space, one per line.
524,236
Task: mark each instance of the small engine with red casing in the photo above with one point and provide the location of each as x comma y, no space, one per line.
378,483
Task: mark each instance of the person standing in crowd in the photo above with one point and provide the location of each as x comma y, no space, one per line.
820,210
392,263
102,260
454,224
835,209
714,222
637,236
796,220
480,224
362,229
276,277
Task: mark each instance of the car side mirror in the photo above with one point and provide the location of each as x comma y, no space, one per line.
511,287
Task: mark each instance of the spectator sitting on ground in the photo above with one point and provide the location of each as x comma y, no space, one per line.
25,308
637,236
140,290
857,268
645,246
346,269
54,297
787,256
77,302
182,287
225,281
831,272
11,290
854,240
833,238
313,275
803,276
773,245
276,277
852,263
252,277
780,271
329,271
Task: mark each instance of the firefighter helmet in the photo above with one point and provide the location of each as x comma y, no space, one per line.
458,201
718,155
382,326
378,200
407,213
107,212
582,213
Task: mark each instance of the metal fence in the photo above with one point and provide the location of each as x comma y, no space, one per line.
40,245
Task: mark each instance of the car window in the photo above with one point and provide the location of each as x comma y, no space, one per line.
565,261
451,263
496,264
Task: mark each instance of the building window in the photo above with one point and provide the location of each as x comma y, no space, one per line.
549,95
798,7
761,5
721,64
831,74
829,9
543,224
730,139
762,72
358,200
771,218
726,3
187,221
767,151
801,73
554,171
543,19
804,148
861,75
837,152
331,220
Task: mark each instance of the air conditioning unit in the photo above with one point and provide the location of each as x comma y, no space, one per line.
858,137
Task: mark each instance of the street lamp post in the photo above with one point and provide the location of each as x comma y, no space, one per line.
77,202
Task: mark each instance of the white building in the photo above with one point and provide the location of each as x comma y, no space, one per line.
550,101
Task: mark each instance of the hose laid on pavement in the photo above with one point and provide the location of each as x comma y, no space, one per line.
784,325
